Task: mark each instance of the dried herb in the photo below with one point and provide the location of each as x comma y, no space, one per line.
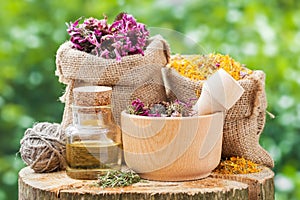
200,67
138,107
125,36
116,178
161,109
237,165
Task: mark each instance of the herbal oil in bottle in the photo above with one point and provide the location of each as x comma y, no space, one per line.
93,143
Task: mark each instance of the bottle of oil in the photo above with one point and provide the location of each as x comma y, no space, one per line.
93,140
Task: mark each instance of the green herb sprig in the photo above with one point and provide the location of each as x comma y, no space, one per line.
115,178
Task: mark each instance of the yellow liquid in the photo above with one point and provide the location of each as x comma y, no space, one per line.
88,159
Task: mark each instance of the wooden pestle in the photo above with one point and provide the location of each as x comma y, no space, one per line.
219,93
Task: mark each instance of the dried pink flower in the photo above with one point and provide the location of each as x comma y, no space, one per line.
125,36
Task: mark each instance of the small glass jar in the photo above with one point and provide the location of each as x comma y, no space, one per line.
93,143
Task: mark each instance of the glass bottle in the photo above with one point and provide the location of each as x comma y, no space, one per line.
93,144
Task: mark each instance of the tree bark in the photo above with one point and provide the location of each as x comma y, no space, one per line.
260,185
58,186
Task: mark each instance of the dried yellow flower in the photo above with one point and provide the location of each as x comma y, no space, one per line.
237,165
200,67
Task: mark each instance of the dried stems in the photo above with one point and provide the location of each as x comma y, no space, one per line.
115,178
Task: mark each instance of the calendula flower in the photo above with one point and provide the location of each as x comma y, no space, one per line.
237,165
200,67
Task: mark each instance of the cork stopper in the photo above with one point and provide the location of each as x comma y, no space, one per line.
92,96
92,105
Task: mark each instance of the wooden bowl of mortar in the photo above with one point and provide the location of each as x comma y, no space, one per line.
172,148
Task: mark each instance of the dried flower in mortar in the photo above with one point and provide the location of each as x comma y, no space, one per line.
237,165
115,178
161,109
200,67
125,36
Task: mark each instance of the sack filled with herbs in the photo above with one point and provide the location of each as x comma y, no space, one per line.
244,122
121,55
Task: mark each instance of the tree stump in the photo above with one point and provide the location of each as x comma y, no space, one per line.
58,186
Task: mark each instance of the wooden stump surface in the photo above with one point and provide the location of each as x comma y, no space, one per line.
57,185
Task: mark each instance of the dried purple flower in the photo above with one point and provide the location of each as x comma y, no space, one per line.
137,107
161,109
86,36
125,36
180,109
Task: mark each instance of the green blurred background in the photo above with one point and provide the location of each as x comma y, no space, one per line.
264,35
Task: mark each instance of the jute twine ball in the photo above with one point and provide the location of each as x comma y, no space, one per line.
43,147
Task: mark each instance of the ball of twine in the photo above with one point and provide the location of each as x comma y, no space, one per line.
43,147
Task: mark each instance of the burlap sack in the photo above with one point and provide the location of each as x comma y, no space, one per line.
244,122
135,76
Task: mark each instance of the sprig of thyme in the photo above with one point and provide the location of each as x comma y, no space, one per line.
116,178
